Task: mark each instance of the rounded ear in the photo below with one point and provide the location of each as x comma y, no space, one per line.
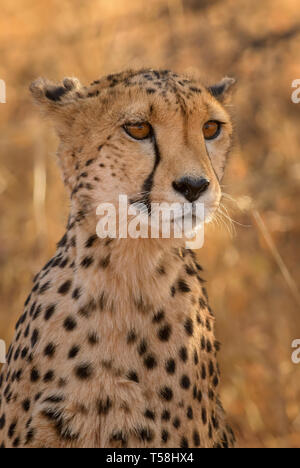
220,90
57,99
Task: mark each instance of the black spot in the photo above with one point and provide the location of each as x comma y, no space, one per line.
16,442
27,300
87,261
166,415
93,338
49,351
183,286
49,376
150,362
149,415
203,343
208,346
12,429
185,382
190,413
142,349
65,287
145,434
176,423
91,240
37,396
34,375
54,399
104,406
49,311
183,353
76,294
204,416
217,346
189,326
17,354
44,287
159,316
164,436
195,90
133,376
34,337
64,262
166,393
70,323
184,443
2,421
215,381
24,353
73,352
37,312
164,333
26,405
196,438
29,436
171,366
190,271
84,371
32,309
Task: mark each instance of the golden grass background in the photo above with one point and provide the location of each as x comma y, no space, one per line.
258,42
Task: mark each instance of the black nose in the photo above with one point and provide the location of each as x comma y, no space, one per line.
191,188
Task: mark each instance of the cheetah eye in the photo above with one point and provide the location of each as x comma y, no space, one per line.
212,129
138,131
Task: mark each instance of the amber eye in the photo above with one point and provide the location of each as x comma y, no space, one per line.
211,129
139,131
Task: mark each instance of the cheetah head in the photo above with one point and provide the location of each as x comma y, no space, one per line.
153,136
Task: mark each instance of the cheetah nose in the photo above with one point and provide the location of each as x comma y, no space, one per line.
191,188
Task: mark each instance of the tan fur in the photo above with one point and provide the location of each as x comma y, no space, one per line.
118,349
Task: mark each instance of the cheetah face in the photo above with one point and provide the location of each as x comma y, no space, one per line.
156,137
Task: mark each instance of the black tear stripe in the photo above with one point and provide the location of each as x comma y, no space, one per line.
148,184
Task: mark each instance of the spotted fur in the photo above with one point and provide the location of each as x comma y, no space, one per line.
116,344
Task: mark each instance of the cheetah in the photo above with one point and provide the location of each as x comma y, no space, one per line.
116,346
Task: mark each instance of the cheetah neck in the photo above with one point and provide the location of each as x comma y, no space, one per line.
124,271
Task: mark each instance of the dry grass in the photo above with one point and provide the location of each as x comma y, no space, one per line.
256,306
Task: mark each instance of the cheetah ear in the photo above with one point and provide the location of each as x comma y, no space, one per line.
57,100
220,90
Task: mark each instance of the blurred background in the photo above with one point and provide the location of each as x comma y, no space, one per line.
253,274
